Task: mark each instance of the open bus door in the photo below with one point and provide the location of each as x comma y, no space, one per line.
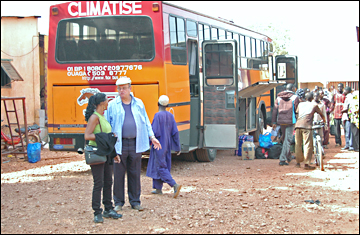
286,69
219,98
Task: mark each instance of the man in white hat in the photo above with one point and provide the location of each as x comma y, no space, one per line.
129,121
159,164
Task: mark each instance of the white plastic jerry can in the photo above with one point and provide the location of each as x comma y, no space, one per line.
248,150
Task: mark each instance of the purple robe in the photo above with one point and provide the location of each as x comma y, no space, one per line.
165,130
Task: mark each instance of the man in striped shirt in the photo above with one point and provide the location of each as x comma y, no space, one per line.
338,103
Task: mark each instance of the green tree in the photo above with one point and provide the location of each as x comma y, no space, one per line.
280,37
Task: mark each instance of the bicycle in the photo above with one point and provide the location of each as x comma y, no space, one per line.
6,141
317,142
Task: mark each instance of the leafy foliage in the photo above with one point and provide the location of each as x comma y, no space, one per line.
280,37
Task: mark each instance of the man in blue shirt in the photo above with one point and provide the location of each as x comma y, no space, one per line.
129,121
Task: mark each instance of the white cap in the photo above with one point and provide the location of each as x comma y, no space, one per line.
164,100
123,80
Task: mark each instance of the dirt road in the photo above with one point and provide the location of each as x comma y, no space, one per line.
228,195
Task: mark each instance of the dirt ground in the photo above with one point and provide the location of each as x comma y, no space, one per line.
228,195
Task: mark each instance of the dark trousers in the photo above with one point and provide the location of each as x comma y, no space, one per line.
326,136
337,123
355,136
327,132
130,163
286,137
102,175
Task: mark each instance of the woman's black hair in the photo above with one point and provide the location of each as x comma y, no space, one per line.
94,101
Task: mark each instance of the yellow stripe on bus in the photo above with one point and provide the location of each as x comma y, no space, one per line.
184,127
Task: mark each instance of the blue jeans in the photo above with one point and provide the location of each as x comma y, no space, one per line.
348,136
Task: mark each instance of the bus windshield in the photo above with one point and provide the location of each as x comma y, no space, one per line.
115,38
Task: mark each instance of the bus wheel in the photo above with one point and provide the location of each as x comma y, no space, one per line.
206,155
260,129
189,157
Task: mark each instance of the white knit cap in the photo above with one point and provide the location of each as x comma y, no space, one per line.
164,100
123,80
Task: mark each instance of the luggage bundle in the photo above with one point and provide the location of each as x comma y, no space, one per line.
265,140
261,153
268,153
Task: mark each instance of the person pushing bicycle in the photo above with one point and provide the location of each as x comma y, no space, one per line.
303,130
322,107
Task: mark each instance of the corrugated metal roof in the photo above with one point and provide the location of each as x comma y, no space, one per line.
10,70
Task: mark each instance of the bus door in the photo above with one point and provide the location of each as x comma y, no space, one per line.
219,94
286,69
194,92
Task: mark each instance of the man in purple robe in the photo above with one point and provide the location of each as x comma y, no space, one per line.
159,165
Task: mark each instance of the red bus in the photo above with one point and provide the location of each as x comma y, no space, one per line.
218,75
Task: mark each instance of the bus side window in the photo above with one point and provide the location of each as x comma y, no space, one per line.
242,46
247,47
219,66
258,48
265,51
206,32
244,62
253,48
214,34
222,34
201,33
191,28
236,38
177,40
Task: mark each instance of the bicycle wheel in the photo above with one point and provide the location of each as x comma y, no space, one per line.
320,155
33,139
316,152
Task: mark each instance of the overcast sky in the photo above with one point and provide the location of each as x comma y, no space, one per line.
323,34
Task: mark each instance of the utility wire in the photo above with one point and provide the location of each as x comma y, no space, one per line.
20,55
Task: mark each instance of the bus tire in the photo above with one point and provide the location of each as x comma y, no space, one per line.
260,127
189,157
206,155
